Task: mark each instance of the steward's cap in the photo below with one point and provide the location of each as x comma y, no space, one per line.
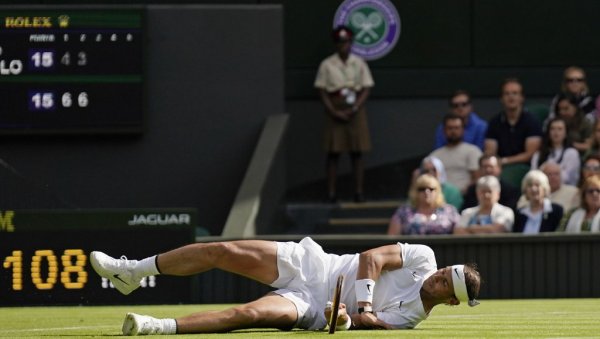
342,34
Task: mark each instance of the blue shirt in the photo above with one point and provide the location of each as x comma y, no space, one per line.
474,132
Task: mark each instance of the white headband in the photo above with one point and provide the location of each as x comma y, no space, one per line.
460,285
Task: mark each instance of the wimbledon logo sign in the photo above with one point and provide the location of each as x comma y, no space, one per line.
376,26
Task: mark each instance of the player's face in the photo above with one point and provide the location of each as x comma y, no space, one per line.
439,285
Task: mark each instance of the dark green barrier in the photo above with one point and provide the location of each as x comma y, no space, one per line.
512,266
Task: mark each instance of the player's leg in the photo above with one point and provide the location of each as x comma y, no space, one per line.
255,259
270,311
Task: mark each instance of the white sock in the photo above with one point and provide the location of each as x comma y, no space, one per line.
169,326
147,267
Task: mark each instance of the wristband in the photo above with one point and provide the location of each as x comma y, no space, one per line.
344,327
364,290
368,309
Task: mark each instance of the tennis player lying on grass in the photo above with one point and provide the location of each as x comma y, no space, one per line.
389,287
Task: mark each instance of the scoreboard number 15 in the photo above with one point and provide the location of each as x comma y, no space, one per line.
72,275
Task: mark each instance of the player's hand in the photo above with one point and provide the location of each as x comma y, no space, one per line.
342,314
369,320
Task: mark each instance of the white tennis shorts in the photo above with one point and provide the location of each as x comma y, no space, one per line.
304,280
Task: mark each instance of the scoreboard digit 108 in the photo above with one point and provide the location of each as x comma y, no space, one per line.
71,70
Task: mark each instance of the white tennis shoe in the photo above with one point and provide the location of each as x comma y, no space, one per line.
118,271
136,324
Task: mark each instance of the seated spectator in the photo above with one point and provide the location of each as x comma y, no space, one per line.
591,166
434,166
427,212
489,216
556,148
586,218
539,214
513,134
489,165
459,158
566,196
579,129
574,84
474,127
595,140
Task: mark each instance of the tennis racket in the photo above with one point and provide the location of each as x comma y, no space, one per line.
336,304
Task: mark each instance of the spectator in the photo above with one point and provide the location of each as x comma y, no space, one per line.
595,144
539,214
574,84
567,196
474,127
434,166
579,129
488,216
344,81
513,134
459,158
489,165
556,148
591,166
427,213
586,218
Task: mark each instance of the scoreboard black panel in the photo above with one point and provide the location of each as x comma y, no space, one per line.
44,255
71,70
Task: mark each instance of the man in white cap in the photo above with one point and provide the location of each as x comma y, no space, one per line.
389,287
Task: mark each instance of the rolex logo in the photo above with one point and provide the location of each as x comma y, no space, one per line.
63,21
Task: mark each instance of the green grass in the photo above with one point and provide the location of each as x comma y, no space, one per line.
542,318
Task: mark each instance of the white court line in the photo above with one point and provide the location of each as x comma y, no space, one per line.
58,329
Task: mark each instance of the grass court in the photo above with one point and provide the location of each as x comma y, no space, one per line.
539,318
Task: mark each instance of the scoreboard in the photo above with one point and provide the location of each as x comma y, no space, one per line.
44,254
71,70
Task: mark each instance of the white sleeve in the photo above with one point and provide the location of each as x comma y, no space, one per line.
473,161
418,256
395,319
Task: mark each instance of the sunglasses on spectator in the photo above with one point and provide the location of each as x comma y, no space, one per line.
575,79
592,190
594,168
460,104
426,189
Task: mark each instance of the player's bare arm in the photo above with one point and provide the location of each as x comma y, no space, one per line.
370,265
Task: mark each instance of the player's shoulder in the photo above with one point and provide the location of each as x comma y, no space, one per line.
417,253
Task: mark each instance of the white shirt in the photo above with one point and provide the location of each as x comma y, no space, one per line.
568,160
459,161
500,214
397,297
335,74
